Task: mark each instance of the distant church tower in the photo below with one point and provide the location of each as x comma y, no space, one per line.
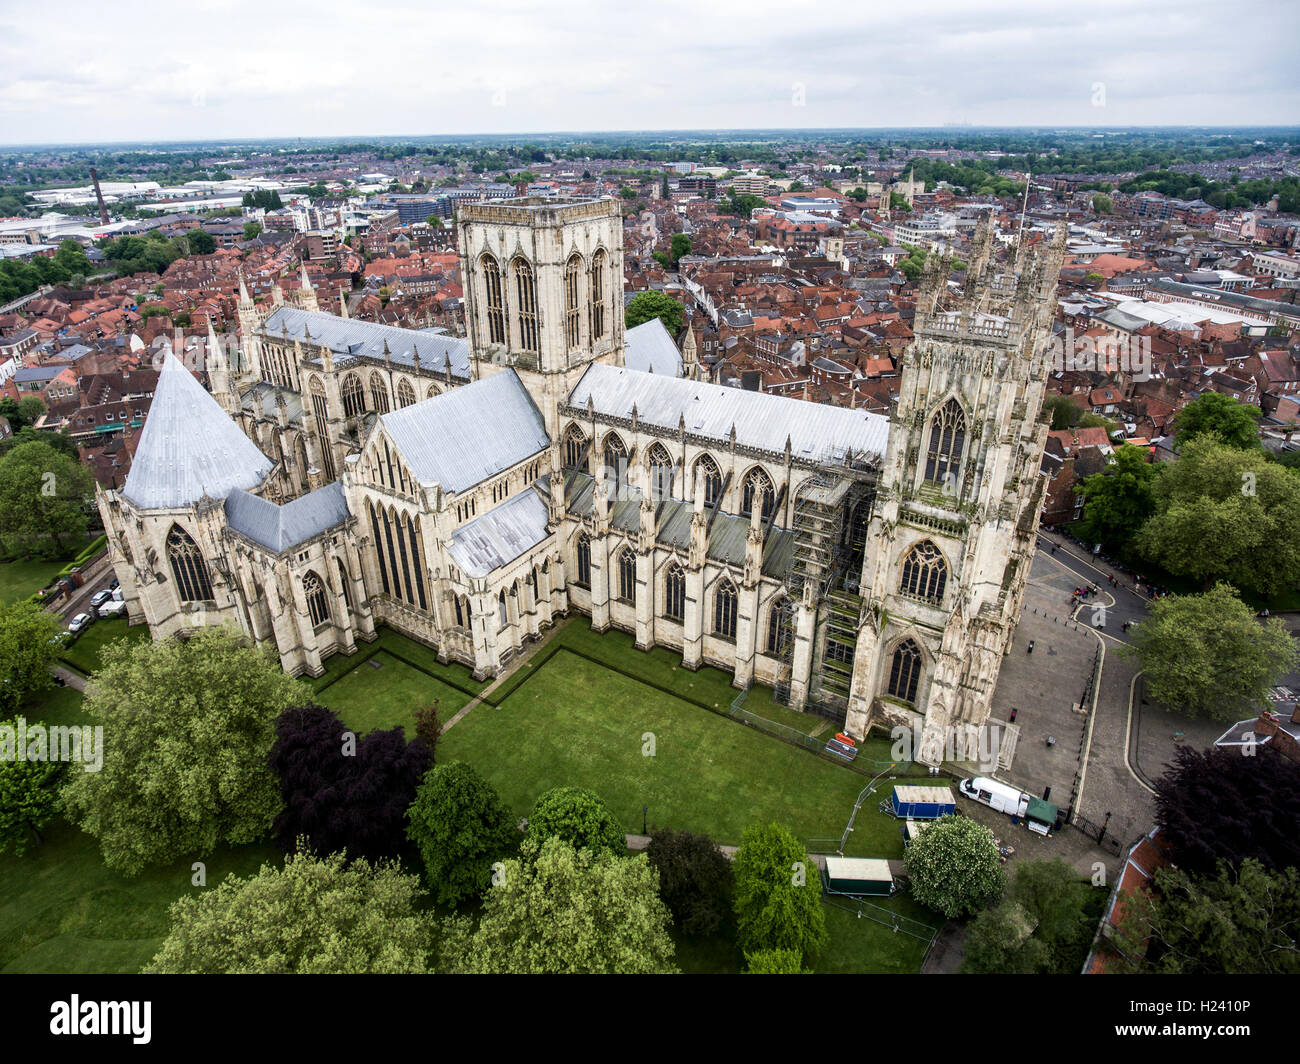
543,288
951,536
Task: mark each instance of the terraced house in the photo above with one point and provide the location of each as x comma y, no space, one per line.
468,491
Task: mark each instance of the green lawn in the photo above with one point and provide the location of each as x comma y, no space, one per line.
23,577
385,697
62,911
857,945
575,722
86,654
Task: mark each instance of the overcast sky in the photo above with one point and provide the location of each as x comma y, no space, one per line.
227,69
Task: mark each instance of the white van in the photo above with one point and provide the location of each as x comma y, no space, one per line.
1000,796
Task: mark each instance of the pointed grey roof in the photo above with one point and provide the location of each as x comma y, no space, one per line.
282,527
189,448
467,435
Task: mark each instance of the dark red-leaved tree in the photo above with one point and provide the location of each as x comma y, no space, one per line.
1219,805
344,793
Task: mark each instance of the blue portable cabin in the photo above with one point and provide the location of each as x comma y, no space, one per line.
922,802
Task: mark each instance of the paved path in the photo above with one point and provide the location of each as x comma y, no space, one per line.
526,655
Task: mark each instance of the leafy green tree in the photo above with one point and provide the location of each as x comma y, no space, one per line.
188,731
680,246
1226,514
695,879
45,499
28,650
561,910
29,793
1208,655
1238,922
1063,410
461,827
778,900
1120,499
646,305
1042,926
775,962
579,817
275,922
954,866
1235,423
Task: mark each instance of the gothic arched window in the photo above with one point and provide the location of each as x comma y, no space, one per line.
320,408
496,313
778,626
905,671
354,398
379,393
572,306
405,393
584,560
661,472
597,292
317,605
526,300
724,610
575,448
707,468
947,441
925,572
627,575
188,567
675,593
757,483
615,463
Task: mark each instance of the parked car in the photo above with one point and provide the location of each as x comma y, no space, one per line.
100,597
80,623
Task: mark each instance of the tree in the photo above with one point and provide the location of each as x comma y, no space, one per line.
561,910
252,230
1041,927
1120,499
29,792
429,728
461,827
45,499
28,650
343,794
277,922
1217,805
1239,921
201,242
777,895
579,817
954,866
1208,655
1235,424
775,962
680,246
695,879
188,730
1226,514
647,305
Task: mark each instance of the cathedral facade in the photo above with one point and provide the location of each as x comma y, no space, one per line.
468,491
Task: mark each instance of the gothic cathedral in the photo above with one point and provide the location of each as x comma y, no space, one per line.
344,475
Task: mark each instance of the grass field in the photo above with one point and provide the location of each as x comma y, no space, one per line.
576,722
86,654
